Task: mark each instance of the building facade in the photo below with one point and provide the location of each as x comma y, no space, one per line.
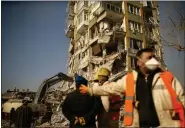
109,33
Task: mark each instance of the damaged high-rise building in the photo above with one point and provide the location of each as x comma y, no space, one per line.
109,33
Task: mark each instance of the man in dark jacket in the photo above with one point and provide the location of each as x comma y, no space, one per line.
24,116
81,109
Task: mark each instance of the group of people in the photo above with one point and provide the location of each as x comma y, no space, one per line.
83,110
22,116
153,98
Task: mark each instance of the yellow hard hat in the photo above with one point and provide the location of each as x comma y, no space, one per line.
103,72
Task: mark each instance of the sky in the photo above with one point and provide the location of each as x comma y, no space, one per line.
34,46
174,59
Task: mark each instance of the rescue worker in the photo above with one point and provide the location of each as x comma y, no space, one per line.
101,77
81,109
109,115
153,97
23,116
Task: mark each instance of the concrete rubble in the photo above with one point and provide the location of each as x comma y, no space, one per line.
58,94
4,124
58,119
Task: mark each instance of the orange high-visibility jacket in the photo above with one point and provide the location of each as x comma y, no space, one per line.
167,78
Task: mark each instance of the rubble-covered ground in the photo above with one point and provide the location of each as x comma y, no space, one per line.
4,124
57,120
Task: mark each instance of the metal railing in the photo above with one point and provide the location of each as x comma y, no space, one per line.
111,7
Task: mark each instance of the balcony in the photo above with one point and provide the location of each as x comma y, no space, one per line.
82,5
135,35
70,29
82,26
119,32
109,11
82,22
148,6
135,18
135,3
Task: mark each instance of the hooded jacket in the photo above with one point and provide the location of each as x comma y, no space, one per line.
80,105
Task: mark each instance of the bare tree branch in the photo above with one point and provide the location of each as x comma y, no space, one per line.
176,46
172,21
178,26
180,14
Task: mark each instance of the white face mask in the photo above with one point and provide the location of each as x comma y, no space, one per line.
152,64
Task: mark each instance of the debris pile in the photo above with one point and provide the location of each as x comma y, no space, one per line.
58,120
45,125
58,94
4,124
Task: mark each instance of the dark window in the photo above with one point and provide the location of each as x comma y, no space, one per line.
135,44
108,6
133,62
113,8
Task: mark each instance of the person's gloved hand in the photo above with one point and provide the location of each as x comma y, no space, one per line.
82,121
83,89
76,120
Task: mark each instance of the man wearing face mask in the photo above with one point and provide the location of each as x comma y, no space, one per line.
152,97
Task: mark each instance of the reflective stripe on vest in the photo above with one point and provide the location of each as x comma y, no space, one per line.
167,78
128,115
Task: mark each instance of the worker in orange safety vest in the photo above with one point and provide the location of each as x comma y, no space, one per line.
153,98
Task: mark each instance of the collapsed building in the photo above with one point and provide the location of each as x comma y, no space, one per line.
106,34
109,34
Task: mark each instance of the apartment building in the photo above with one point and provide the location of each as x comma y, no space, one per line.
109,33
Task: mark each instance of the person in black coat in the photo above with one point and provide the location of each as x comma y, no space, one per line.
23,116
81,109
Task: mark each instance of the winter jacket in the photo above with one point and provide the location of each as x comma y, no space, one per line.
160,94
80,105
12,115
23,117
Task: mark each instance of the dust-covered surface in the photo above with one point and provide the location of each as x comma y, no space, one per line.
58,119
5,124
58,94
